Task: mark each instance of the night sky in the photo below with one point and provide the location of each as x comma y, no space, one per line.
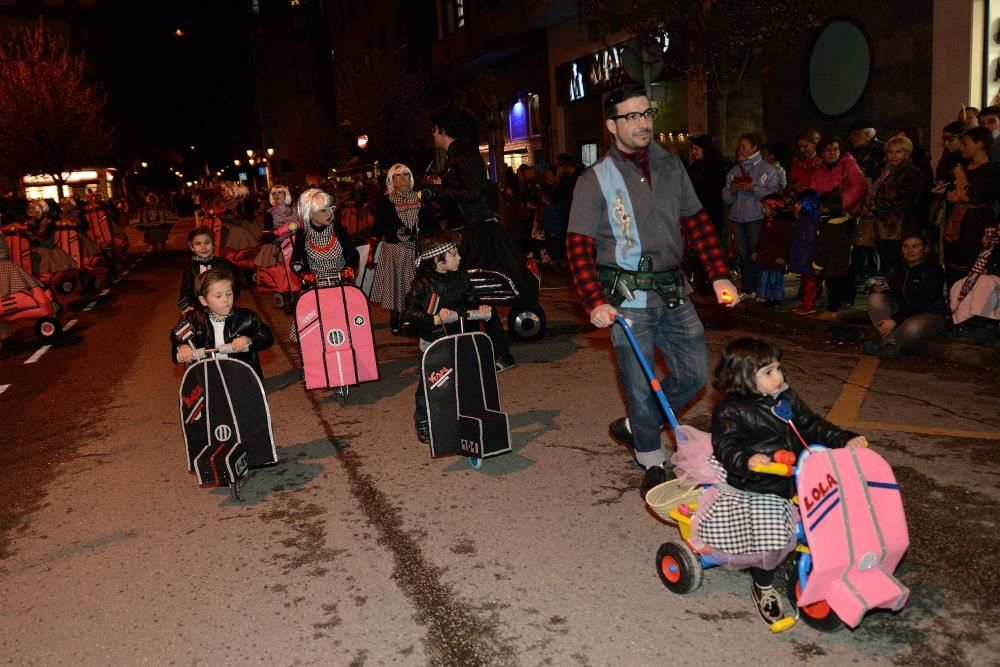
165,92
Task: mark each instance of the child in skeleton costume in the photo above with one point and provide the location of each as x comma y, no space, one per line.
746,518
399,218
276,221
70,216
46,256
155,221
322,246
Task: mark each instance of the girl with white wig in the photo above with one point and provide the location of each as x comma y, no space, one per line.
322,245
46,256
399,218
276,221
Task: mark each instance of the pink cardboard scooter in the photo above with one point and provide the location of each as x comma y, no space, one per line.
333,327
855,528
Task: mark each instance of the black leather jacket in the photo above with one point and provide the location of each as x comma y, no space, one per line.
241,322
744,425
463,186
187,297
454,291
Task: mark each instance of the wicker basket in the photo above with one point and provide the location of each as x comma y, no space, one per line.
663,498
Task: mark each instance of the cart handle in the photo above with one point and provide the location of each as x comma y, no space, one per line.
653,382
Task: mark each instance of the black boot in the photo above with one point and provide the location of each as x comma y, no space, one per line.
423,432
397,330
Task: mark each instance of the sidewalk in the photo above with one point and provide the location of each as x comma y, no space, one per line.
853,327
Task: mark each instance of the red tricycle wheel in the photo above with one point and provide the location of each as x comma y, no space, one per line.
678,567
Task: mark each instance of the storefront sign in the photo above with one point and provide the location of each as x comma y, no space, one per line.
593,74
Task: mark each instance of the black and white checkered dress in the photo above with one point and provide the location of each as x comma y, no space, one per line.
743,522
394,273
12,277
326,257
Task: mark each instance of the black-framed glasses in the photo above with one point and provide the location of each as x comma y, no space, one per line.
633,117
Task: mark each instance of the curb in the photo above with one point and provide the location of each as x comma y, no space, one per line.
943,349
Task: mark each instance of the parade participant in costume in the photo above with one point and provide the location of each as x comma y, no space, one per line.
399,218
156,222
12,279
441,293
46,256
745,434
203,259
221,322
630,210
237,233
69,213
276,220
462,192
322,246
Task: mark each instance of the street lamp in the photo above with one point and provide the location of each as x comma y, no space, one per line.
144,164
236,162
270,152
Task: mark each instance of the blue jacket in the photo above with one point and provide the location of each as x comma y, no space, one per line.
745,206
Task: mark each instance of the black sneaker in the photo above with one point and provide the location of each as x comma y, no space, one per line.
768,603
654,476
505,364
423,432
620,432
889,351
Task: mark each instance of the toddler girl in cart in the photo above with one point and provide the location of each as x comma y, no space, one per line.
746,519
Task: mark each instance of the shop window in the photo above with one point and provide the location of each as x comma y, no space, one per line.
458,12
255,6
588,154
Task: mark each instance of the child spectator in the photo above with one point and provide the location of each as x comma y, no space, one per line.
202,244
800,257
221,324
772,251
440,295
745,434
832,258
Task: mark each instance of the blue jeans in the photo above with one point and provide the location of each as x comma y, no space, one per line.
679,335
746,234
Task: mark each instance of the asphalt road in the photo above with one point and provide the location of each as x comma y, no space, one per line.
358,548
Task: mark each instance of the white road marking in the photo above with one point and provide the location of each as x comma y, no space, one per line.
4,387
104,292
126,272
69,325
38,354
90,306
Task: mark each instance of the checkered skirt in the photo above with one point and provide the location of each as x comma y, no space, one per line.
393,276
742,522
14,279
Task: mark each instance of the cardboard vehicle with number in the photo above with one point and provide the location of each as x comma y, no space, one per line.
334,332
226,422
463,397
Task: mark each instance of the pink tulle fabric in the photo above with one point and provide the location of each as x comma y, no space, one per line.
694,460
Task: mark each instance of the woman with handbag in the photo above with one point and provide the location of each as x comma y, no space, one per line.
399,218
977,186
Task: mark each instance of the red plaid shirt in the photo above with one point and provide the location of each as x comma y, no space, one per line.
699,234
